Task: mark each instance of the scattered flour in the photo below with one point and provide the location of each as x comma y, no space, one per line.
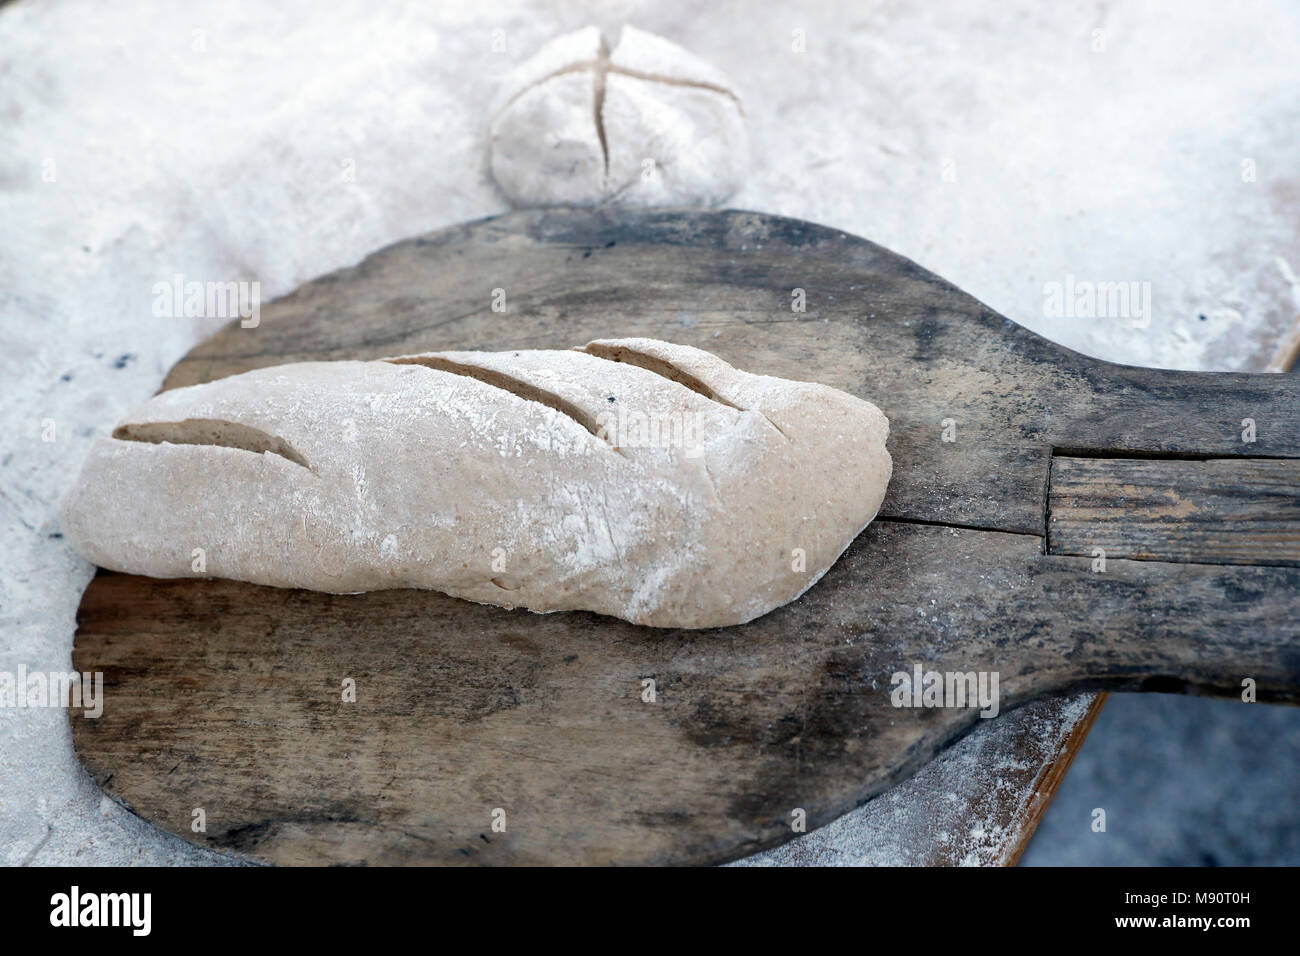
240,141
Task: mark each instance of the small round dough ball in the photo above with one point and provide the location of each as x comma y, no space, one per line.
646,124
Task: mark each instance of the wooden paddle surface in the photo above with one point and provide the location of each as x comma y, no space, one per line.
229,698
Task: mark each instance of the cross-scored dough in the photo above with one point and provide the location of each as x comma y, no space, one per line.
645,124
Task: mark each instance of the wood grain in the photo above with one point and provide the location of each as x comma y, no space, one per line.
1244,511
227,696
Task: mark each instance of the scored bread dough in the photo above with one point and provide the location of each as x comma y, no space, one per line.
646,123
631,477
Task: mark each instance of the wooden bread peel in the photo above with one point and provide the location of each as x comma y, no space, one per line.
227,696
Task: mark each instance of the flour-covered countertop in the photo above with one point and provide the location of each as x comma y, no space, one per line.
1002,146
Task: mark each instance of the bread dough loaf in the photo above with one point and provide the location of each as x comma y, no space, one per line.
644,123
636,478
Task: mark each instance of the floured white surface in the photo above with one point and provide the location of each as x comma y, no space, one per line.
966,807
995,148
